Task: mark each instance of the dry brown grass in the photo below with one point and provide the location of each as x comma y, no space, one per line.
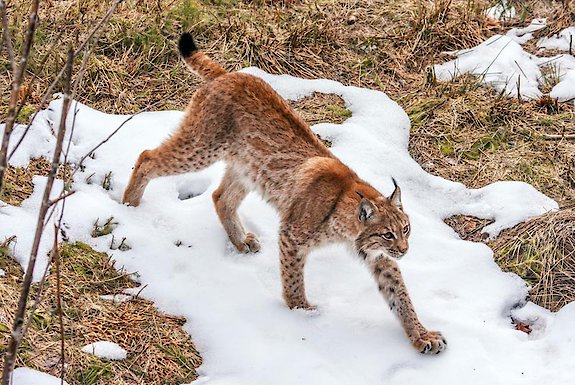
542,251
159,351
18,184
465,132
322,108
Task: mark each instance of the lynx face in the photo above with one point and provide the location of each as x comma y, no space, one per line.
386,228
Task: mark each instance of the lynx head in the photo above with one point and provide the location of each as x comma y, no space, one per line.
384,227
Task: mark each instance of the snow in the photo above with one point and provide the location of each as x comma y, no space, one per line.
501,11
499,62
562,42
523,35
116,298
2,273
232,302
27,376
565,89
106,349
502,63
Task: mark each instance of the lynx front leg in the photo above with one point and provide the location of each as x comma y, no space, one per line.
391,286
292,261
174,156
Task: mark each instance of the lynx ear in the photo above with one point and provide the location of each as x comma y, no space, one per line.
395,197
366,208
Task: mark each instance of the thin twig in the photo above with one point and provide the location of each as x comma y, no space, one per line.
61,197
6,34
56,257
17,335
19,72
558,136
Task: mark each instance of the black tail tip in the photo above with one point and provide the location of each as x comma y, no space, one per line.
186,45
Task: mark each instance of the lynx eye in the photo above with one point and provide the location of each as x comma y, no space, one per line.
388,235
406,229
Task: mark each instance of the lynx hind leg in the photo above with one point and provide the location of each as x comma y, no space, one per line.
227,199
174,156
392,287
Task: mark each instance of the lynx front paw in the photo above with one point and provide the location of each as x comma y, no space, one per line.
250,244
130,199
302,305
430,343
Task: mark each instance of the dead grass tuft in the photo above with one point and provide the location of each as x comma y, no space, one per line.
322,108
542,252
159,350
18,185
465,132
469,228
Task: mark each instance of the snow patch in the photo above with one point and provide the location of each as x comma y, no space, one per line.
502,63
535,316
563,41
105,349
501,11
2,273
499,62
116,298
565,89
232,302
27,376
523,35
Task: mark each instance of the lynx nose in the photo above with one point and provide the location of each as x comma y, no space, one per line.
402,250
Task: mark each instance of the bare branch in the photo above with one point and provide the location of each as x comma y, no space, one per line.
16,84
6,34
17,335
559,136
56,256
61,197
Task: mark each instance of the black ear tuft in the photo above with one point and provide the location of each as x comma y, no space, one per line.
395,197
186,45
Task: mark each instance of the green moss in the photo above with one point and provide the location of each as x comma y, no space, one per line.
446,147
25,114
486,143
421,111
339,112
94,373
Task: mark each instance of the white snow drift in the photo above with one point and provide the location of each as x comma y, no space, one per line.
232,302
27,376
106,349
502,63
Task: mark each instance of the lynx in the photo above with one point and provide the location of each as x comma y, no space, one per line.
239,118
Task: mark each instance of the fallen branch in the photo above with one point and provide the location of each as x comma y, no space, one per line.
558,136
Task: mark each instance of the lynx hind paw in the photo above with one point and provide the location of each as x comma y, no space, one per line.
250,244
431,343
